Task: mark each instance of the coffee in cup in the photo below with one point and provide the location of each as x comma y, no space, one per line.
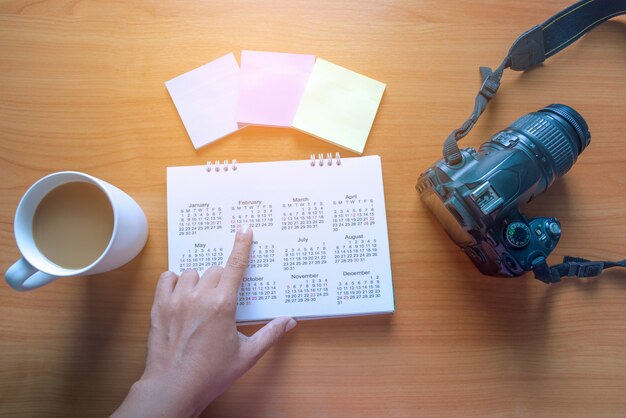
70,224
73,224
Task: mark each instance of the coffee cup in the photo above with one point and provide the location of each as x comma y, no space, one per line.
73,224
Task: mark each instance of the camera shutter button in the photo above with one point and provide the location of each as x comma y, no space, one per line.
554,229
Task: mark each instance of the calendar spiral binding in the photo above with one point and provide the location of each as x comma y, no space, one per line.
224,166
320,160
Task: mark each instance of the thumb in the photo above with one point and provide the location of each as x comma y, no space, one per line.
263,339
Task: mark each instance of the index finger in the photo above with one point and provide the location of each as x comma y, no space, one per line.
238,261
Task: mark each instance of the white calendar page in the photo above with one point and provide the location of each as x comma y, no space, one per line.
320,234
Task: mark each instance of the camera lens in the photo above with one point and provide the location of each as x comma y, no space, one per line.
561,132
575,120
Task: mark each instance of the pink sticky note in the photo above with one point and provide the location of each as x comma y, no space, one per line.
206,99
271,87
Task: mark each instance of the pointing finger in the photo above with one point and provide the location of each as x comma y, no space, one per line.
238,261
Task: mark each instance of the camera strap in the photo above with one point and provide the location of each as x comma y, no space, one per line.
571,266
532,48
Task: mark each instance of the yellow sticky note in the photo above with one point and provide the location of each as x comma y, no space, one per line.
339,105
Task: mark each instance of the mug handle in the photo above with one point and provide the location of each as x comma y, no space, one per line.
23,276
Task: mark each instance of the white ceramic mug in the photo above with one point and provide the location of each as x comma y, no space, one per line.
33,270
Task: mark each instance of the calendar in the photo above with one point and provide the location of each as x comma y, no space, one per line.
320,244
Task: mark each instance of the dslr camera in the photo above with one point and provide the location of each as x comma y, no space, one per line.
476,195
477,200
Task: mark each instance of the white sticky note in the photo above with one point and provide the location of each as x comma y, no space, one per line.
206,99
339,105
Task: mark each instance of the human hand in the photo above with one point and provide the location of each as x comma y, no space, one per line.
195,352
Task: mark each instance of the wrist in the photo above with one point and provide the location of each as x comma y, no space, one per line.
161,397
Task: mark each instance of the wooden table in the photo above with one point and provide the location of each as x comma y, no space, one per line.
82,88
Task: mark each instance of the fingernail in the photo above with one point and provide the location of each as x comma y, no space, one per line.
290,325
244,228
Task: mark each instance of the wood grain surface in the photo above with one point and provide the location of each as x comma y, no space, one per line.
82,88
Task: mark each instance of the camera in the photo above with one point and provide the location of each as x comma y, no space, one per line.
477,198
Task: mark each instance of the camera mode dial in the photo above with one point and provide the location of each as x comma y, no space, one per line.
517,234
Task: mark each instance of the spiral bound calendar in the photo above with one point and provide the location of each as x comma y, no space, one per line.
320,233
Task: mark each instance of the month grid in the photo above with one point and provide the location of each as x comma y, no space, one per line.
199,217
302,215
353,212
304,256
309,291
358,289
253,213
201,257
261,256
255,290
356,250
